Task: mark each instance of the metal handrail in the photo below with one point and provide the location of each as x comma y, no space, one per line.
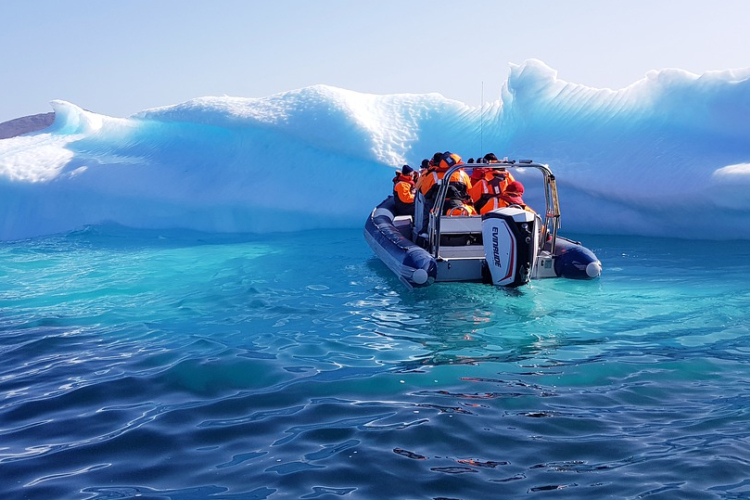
551,213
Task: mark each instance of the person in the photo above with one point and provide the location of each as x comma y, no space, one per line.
511,195
460,179
424,167
489,186
432,164
403,190
455,204
435,161
478,172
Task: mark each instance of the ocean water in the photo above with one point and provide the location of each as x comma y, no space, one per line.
181,365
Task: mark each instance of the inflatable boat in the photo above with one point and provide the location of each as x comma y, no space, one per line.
505,247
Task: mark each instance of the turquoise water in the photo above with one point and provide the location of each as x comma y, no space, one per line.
180,365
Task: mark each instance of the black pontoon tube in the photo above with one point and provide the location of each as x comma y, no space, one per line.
413,265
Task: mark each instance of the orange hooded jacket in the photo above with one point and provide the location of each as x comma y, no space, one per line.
460,178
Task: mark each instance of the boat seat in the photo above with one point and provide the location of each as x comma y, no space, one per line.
462,252
460,231
404,224
460,225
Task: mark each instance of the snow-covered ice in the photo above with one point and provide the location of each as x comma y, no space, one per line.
669,155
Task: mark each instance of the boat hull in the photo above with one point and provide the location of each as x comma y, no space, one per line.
574,261
412,264
389,237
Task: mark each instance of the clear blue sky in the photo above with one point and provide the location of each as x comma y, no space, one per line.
119,57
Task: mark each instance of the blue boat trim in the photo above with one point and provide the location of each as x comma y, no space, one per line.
412,264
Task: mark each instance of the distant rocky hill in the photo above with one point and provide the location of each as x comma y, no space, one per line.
25,125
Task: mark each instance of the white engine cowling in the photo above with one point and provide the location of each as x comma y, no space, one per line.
511,242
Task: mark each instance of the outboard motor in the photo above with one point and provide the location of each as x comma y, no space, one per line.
511,242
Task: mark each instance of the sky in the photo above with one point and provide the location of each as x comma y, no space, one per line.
118,58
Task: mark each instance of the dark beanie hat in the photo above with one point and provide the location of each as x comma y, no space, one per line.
406,170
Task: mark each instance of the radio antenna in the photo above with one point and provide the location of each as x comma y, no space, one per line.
481,123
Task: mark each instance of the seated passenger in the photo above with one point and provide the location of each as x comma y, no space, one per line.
492,158
478,173
424,166
403,191
512,195
456,204
490,185
431,165
429,182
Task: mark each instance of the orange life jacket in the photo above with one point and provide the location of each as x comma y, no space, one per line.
491,185
403,188
455,203
461,210
403,194
502,202
429,181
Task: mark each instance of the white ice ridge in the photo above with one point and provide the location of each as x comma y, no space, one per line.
665,156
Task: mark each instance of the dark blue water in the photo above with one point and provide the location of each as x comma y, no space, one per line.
152,364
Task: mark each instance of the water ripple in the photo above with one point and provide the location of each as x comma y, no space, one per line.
177,365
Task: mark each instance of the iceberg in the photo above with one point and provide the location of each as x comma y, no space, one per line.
668,156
